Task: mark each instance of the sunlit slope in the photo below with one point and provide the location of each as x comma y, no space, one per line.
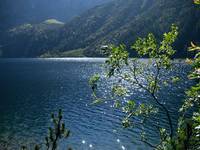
30,40
17,12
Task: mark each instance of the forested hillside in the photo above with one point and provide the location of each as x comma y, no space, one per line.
28,40
13,13
120,21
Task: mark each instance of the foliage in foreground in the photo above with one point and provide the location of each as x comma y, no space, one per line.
55,133
187,135
189,128
137,74
197,2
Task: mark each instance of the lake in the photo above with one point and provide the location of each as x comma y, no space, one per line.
31,89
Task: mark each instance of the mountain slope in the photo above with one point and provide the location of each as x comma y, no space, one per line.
13,13
135,18
30,40
114,23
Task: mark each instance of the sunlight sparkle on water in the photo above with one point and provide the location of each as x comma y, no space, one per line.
123,148
83,142
90,145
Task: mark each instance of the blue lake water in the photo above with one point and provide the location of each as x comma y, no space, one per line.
31,89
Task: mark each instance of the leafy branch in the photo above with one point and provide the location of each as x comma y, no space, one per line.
55,133
135,73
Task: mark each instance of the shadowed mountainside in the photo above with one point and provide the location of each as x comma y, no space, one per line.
112,23
14,13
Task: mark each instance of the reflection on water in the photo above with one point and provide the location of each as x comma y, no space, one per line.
30,89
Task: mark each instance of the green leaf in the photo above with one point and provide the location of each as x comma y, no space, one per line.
197,2
97,101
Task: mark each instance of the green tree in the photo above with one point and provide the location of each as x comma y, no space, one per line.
55,133
188,132
189,128
159,54
138,74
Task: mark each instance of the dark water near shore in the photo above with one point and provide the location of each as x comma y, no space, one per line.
30,89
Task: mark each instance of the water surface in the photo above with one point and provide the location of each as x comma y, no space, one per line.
30,89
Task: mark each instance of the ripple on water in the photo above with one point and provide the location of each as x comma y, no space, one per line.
33,88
